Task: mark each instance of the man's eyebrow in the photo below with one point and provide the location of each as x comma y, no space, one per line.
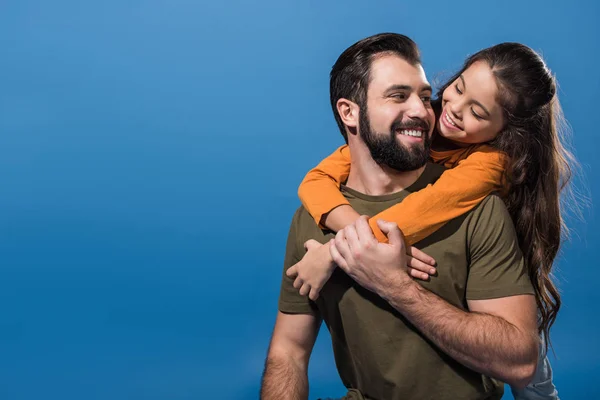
474,101
407,88
398,87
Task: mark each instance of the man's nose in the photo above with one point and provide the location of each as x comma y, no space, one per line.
417,108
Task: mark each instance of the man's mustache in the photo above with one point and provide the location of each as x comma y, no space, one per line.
412,124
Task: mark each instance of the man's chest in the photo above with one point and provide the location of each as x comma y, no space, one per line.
448,246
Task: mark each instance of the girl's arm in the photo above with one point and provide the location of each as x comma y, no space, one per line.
320,193
457,191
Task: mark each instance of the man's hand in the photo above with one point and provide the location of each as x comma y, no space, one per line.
313,271
372,264
317,265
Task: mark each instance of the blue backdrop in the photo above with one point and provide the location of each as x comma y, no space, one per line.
150,153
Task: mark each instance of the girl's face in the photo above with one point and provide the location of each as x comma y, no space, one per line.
470,111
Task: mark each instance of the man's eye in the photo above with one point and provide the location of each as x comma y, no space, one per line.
400,96
426,99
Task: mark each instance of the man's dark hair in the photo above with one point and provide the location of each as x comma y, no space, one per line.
351,73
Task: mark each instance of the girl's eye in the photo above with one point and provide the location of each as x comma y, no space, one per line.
478,117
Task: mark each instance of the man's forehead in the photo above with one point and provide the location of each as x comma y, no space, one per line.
388,70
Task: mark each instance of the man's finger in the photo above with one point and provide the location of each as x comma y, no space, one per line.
341,245
364,231
391,230
352,238
336,256
416,253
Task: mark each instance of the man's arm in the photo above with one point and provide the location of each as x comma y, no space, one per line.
497,338
285,376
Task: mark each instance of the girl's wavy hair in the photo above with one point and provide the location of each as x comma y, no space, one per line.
539,164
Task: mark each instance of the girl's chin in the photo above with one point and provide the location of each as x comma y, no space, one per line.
443,132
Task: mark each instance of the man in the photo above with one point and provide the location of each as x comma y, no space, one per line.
395,338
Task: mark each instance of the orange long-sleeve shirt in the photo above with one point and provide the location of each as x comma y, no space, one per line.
474,172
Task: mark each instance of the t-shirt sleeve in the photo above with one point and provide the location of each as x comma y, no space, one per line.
497,266
290,301
319,191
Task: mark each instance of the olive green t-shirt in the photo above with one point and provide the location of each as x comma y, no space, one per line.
379,354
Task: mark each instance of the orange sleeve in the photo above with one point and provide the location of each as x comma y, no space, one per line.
319,192
457,191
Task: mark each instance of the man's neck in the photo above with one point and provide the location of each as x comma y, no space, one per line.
368,177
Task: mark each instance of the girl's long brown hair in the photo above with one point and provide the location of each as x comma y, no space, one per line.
539,166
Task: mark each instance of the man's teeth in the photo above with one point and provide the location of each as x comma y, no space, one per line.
411,133
449,120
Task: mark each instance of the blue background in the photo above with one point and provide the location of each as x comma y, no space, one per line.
150,153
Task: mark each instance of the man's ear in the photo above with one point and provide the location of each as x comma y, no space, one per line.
348,112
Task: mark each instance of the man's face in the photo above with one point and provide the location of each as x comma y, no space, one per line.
398,120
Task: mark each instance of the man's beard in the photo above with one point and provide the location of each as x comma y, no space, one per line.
386,149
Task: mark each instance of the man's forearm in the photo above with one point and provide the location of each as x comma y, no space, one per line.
483,342
284,379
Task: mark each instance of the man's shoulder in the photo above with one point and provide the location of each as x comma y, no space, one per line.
493,205
306,227
491,214
301,215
